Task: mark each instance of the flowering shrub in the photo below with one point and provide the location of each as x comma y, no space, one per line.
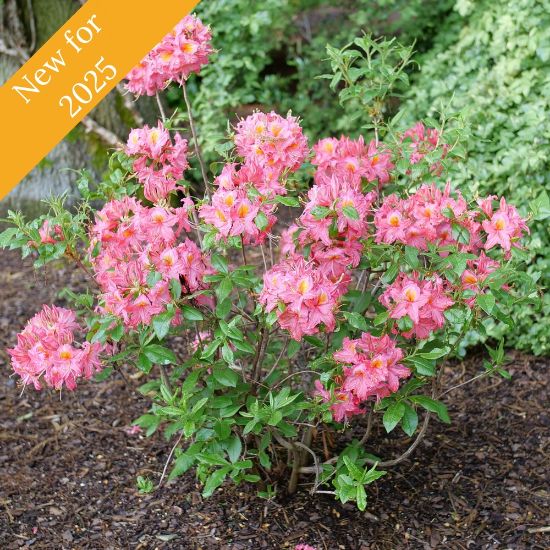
343,317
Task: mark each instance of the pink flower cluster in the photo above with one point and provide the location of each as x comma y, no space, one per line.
423,301
272,141
422,141
272,146
504,227
50,235
302,295
427,216
351,160
139,255
46,351
159,163
182,52
475,274
424,217
233,210
372,368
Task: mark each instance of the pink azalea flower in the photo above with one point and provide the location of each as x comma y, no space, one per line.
46,352
303,297
180,53
271,141
423,301
504,227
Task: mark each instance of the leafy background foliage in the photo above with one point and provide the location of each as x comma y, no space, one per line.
489,57
492,58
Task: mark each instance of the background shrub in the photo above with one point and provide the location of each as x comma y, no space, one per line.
492,58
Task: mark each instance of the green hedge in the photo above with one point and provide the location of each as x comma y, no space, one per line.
492,57
271,52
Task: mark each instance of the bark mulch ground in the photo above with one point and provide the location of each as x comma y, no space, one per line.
68,468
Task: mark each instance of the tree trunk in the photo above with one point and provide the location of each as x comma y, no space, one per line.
25,25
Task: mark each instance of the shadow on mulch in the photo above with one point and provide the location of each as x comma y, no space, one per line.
68,468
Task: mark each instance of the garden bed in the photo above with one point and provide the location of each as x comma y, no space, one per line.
68,467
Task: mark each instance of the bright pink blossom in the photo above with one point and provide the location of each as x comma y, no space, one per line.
271,141
371,369
180,53
159,163
504,227
46,351
422,300
303,297
350,161
136,252
422,141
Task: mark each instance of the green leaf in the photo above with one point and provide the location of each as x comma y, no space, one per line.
161,323
432,405
381,318
191,313
411,257
234,448
357,321
320,212
394,413
159,355
223,290
225,376
215,480
422,366
435,353
211,348
261,221
244,346
361,498
227,354
175,289
219,263
409,422
350,212
486,302
223,308
143,363
288,201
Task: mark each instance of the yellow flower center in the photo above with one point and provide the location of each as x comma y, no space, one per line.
500,224
188,47
322,299
243,210
303,286
154,136
394,220
411,294
66,355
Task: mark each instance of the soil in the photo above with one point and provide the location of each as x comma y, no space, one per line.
68,467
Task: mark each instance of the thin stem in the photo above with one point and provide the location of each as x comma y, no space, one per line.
165,379
196,140
263,256
243,252
161,108
406,454
169,459
368,430
277,361
477,377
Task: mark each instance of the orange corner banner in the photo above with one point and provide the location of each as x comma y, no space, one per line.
78,66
